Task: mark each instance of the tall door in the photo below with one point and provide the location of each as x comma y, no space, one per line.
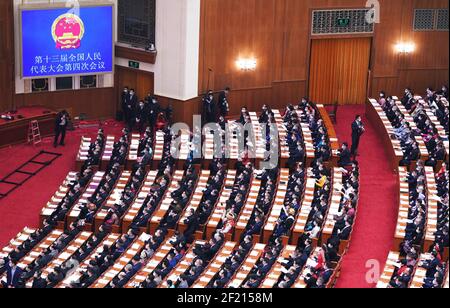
339,70
141,81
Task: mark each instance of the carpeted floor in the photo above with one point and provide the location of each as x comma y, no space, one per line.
372,236
22,207
377,213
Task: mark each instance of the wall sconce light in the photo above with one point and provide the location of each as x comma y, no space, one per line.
405,48
246,64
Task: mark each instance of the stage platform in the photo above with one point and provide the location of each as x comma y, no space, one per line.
16,131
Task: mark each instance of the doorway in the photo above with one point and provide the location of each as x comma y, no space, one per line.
141,81
339,70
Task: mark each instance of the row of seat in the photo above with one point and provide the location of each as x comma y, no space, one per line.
377,116
162,208
20,238
418,275
76,275
440,129
37,250
63,256
396,261
133,148
184,147
424,155
216,217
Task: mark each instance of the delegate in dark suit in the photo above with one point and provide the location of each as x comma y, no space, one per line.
13,274
357,132
61,127
224,106
131,102
209,108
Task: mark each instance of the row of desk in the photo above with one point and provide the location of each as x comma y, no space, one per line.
282,137
305,209
165,203
132,155
332,136
52,205
20,238
37,250
277,206
219,209
132,251
75,276
334,210
195,199
392,263
182,266
424,155
138,201
113,199
440,129
64,256
307,139
376,115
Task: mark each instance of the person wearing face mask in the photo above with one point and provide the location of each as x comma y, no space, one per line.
123,103
431,96
141,116
244,114
209,108
443,92
265,114
153,110
224,106
357,131
130,107
382,100
61,122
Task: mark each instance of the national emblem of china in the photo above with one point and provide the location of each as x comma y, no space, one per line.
68,31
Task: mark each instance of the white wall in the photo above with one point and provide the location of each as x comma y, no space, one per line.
177,43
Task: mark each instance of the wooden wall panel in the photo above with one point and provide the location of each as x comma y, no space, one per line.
427,66
420,79
291,42
233,29
141,81
95,103
387,35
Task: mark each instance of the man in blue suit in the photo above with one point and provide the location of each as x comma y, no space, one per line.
13,274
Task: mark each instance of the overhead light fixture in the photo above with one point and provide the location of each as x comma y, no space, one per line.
246,64
404,47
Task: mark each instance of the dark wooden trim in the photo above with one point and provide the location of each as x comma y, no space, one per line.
135,54
16,132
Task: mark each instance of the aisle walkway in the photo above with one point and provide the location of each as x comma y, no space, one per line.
374,230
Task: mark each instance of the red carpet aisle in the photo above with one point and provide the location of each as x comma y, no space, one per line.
374,230
22,207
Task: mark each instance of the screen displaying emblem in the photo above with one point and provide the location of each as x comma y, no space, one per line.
60,42
68,31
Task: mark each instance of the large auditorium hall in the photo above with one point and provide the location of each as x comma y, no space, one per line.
218,145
